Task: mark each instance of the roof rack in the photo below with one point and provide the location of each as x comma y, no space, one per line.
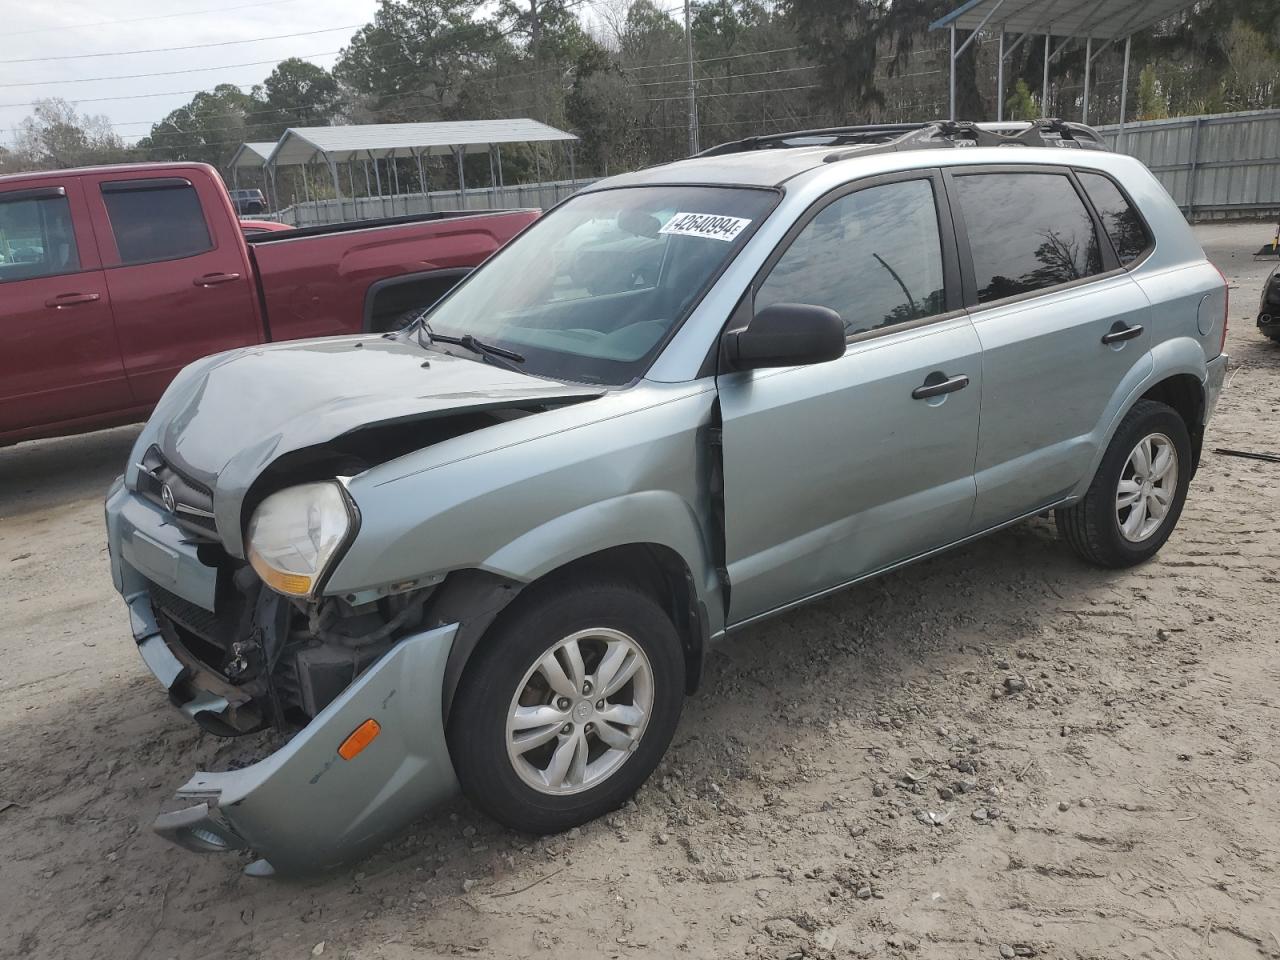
892,137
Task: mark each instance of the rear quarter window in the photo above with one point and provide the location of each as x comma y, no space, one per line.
1124,226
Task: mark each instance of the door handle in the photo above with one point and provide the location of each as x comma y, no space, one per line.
71,299
1124,333
938,387
213,279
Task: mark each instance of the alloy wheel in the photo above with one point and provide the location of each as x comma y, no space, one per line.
580,711
1147,487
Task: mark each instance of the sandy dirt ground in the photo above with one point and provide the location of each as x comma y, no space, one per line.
997,753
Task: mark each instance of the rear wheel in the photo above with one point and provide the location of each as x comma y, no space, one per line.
568,706
1137,494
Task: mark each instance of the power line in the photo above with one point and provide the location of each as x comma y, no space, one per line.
158,16
193,46
168,73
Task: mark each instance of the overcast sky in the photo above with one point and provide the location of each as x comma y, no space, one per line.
73,28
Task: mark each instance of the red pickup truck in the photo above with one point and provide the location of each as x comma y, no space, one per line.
114,278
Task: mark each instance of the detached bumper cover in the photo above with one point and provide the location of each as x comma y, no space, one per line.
304,808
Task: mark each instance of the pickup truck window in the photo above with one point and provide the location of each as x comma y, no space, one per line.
1027,231
160,222
873,256
590,291
37,238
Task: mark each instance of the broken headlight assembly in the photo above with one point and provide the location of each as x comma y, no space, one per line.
296,534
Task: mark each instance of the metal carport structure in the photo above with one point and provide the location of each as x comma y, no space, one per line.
376,142
251,156
1108,21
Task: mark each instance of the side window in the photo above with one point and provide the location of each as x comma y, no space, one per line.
1123,225
37,238
873,256
1027,231
156,221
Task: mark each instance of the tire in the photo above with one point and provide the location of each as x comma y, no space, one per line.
1093,526
520,789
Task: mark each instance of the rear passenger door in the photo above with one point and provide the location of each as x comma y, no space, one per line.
178,274
59,357
835,470
1063,327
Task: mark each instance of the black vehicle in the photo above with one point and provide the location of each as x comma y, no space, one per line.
1269,307
249,201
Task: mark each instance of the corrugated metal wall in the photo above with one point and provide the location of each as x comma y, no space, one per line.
1215,166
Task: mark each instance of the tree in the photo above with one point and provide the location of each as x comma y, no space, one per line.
296,94
56,136
411,62
1151,100
1022,103
207,130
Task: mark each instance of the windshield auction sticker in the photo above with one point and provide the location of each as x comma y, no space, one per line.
708,225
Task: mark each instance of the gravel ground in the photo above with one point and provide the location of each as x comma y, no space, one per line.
997,753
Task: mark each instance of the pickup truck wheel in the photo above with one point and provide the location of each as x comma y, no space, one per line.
1137,494
568,707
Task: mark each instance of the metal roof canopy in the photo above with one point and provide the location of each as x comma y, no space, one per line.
372,143
252,155
383,141
1089,20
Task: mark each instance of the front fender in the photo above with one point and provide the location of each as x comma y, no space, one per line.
659,517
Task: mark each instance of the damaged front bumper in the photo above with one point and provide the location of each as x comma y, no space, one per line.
304,807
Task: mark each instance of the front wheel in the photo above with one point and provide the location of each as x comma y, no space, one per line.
1137,494
567,707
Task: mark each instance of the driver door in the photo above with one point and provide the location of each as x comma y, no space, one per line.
836,470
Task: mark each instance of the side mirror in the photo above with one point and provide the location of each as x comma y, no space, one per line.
787,335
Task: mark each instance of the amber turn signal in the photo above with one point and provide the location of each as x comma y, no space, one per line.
360,738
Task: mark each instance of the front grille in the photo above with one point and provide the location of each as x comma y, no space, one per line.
192,508
203,623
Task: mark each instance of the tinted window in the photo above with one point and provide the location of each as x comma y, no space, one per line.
159,223
36,238
873,256
1123,225
1027,231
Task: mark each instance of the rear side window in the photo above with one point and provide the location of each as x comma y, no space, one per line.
1123,225
162,222
1027,232
36,237
872,256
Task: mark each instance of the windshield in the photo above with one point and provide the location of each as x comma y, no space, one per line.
590,291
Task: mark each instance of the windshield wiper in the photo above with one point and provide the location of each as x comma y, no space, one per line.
469,342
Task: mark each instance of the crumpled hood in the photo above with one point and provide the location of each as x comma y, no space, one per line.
227,418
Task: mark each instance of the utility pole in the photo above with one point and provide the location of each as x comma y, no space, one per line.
693,96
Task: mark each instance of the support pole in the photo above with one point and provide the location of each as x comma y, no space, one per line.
1000,79
951,114
573,176
1044,86
462,180
493,180
1088,62
693,96
377,175
1124,93
337,187
502,181
368,186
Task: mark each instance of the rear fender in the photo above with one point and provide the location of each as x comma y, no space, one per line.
1178,355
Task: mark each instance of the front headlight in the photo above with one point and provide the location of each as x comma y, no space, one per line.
295,535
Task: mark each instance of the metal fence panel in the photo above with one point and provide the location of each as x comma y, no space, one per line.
1214,166
541,195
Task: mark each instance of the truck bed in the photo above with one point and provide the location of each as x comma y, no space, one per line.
351,277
